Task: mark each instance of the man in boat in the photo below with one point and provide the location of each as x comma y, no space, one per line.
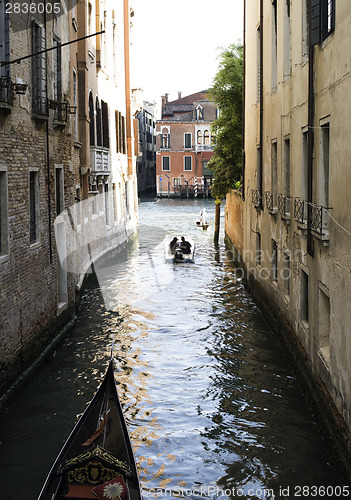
185,245
173,244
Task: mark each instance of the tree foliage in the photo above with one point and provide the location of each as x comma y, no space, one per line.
226,91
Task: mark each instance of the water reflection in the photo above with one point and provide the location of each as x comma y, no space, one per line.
208,395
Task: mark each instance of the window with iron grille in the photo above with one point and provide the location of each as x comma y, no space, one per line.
3,214
304,306
187,163
39,98
60,204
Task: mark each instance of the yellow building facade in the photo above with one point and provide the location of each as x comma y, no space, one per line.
294,210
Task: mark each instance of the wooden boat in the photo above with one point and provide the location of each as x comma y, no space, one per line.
97,459
180,253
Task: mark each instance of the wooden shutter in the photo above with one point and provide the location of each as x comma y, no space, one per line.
316,22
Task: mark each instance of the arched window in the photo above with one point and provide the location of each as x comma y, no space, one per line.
206,138
199,112
165,138
98,124
92,120
199,137
105,127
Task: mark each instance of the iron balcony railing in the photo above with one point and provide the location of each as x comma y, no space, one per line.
40,105
319,219
256,197
284,205
5,90
270,201
300,210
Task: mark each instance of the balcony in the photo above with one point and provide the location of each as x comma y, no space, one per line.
203,147
284,206
40,107
319,220
6,99
271,202
300,212
99,160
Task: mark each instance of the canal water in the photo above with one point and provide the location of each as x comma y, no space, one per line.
212,404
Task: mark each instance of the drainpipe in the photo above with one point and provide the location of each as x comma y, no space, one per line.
310,134
127,87
261,106
243,109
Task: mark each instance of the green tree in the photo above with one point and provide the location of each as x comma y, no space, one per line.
226,91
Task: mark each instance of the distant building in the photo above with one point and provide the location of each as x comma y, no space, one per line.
184,146
146,150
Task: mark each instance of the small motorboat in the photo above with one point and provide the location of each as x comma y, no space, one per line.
203,220
180,251
97,459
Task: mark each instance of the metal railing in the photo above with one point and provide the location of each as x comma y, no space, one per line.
299,210
284,205
40,105
269,200
319,219
256,197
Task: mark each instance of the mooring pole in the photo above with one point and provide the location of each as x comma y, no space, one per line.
217,221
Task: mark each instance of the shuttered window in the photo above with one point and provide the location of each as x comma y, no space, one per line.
39,101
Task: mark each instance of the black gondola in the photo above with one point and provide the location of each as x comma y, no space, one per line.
97,460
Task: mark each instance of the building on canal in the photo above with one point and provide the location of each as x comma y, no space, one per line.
184,145
67,165
144,113
291,224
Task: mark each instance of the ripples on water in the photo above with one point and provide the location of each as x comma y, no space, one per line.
208,395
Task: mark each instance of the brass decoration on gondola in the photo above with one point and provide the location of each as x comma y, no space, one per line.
92,473
97,453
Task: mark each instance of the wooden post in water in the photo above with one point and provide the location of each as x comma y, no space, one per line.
217,221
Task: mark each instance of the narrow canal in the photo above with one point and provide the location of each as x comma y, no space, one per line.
212,404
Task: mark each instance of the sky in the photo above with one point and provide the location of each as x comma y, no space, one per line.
175,44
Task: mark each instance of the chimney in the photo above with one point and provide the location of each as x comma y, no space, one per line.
179,95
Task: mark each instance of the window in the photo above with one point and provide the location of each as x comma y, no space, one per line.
274,44
176,181
187,163
206,138
107,201
324,165
323,20
78,206
304,31
57,70
304,296
165,139
166,163
324,324
258,249
286,274
286,62
274,261
274,171
5,87
33,206
105,128
199,137
92,120
126,199
287,168
304,187
39,101
4,228
187,140
98,123
59,192
258,56
199,113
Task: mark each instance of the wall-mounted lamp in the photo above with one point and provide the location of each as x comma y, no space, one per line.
19,87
